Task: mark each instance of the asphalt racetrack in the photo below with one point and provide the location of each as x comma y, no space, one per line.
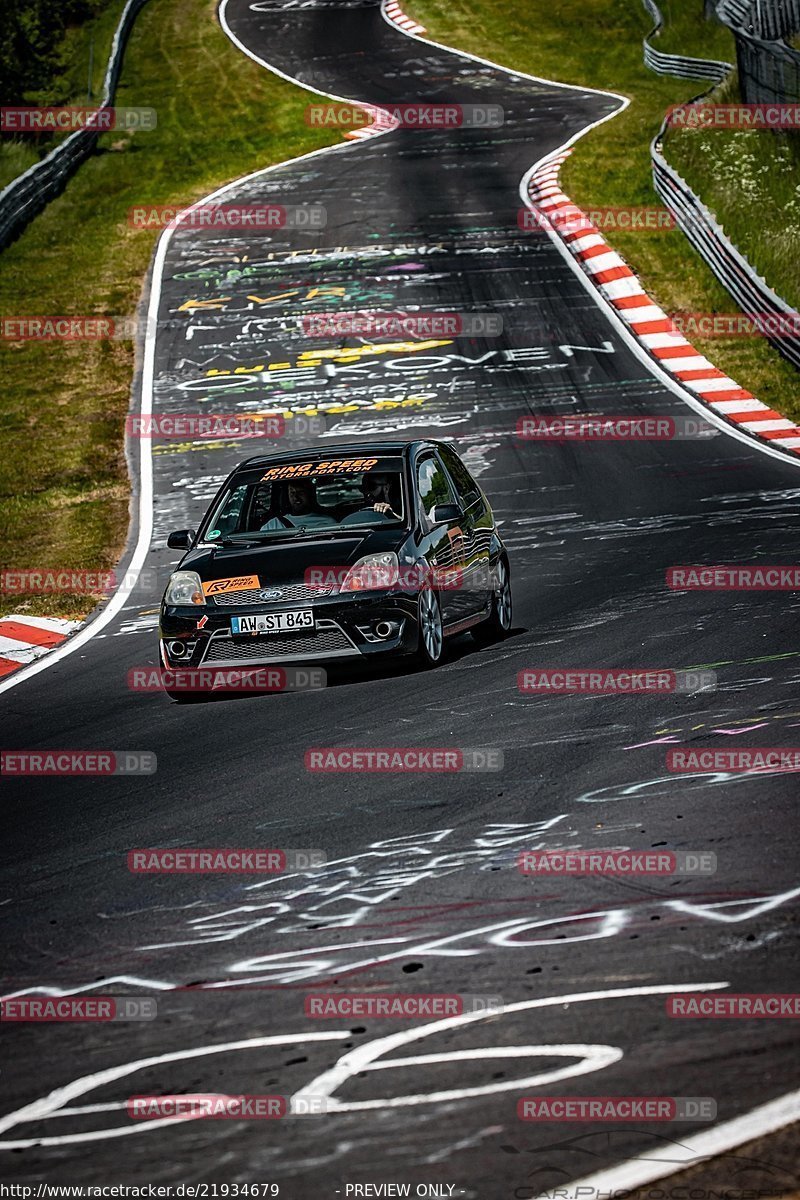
421,891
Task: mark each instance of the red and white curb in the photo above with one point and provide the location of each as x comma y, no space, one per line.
24,639
395,14
652,327
382,122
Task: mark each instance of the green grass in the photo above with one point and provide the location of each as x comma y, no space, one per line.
64,487
69,85
686,32
750,179
15,157
598,43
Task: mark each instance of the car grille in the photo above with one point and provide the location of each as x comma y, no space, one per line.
328,640
289,592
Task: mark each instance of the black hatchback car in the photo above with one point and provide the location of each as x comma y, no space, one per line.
380,548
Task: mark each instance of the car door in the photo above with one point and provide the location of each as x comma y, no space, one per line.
443,544
477,527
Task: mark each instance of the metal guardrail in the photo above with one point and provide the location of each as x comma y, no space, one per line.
28,194
735,273
770,20
679,64
769,69
769,72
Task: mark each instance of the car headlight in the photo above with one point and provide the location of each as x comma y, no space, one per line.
184,587
372,573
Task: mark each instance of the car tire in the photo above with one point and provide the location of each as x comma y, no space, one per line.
498,624
430,645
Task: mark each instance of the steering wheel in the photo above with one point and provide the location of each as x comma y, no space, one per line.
367,508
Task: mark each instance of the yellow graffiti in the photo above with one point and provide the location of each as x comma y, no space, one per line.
326,290
270,299
309,359
353,353
191,305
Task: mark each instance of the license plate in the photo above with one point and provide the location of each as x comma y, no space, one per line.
280,622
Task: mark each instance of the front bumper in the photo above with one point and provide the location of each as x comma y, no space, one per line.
345,629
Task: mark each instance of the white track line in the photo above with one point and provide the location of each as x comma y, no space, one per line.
145,506
753,1124
768,1117
661,1162
771,1116
625,285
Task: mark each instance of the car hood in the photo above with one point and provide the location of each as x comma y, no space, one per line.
286,559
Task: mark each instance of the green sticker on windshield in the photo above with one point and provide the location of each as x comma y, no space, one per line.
214,533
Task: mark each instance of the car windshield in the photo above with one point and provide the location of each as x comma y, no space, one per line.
296,498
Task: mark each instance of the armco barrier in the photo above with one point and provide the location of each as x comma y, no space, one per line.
749,290
27,195
769,69
679,64
767,19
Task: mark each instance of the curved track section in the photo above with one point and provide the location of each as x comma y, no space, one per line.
420,892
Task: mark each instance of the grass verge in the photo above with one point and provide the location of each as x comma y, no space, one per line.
85,45
598,43
750,179
63,481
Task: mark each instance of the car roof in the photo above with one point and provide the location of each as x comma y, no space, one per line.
346,450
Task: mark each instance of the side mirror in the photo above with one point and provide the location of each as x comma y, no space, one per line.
181,539
443,514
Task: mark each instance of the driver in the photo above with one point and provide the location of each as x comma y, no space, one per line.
303,507
381,493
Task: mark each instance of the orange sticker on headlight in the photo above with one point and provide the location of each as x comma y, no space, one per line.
217,587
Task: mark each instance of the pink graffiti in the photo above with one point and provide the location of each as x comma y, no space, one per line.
745,729
663,741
